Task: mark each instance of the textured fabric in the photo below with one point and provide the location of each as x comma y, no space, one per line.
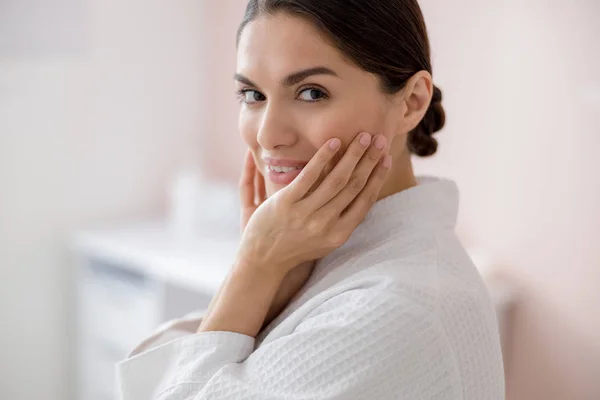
398,312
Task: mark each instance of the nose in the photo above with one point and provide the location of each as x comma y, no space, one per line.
276,129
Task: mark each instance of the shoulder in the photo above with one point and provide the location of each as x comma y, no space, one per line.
433,274
428,261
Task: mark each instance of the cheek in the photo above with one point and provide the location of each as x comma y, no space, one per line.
345,121
328,123
248,124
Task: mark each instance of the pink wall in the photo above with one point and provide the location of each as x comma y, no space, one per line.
522,92
224,149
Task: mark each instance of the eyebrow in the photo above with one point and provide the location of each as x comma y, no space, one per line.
292,79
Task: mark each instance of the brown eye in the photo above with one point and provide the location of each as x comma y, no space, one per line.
252,96
312,94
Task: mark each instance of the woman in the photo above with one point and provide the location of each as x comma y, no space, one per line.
349,282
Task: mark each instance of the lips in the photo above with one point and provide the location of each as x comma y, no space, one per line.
284,162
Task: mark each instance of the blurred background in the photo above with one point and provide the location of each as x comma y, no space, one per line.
118,118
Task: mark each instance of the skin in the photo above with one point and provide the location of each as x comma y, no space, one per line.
286,228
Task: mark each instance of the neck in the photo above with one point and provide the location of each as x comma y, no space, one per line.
401,177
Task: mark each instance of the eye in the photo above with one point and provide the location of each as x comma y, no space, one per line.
250,96
312,95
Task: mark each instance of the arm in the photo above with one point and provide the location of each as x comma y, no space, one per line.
252,195
289,286
245,299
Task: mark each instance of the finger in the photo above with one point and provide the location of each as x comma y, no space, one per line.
261,191
255,200
328,168
247,181
311,172
359,178
340,175
361,205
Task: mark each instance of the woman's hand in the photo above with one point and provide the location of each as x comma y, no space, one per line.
299,224
252,195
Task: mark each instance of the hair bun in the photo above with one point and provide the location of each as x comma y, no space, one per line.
420,140
437,95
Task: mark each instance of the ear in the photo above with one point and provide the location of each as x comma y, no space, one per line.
416,95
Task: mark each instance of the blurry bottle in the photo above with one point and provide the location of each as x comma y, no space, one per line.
219,207
184,197
197,206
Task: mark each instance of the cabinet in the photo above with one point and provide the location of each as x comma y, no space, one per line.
129,281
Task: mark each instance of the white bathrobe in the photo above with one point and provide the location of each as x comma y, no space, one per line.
398,312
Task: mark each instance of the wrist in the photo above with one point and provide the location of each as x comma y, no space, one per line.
274,270
244,300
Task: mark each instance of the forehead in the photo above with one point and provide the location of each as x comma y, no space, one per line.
274,45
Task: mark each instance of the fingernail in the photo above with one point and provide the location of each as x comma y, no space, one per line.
365,139
334,144
380,142
387,161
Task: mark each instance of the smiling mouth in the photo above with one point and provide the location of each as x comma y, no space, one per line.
282,175
280,170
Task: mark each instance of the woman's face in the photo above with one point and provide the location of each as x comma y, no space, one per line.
297,91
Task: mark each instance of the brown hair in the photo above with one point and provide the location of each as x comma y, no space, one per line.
384,37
